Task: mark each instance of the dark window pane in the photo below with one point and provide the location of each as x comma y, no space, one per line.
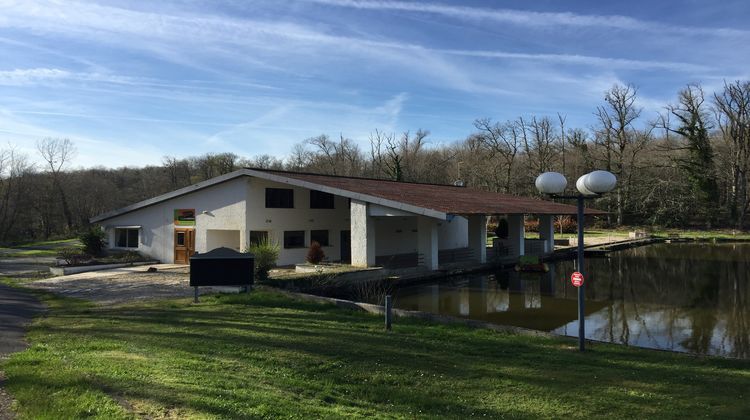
181,238
126,238
279,198
132,238
319,236
320,200
294,239
121,238
258,236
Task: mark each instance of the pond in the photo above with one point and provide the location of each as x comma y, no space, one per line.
688,297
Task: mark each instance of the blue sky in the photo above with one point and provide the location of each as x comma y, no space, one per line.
132,81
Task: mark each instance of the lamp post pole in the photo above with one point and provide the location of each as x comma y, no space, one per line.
591,185
581,295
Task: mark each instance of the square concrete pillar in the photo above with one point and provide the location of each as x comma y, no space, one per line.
427,241
362,234
547,232
478,236
516,233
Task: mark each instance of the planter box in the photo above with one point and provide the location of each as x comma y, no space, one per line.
562,242
64,271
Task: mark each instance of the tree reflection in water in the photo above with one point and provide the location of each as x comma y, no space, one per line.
684,297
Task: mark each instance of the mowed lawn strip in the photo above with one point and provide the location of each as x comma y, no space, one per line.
267,355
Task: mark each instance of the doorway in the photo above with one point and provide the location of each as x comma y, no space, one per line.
184,245
346,246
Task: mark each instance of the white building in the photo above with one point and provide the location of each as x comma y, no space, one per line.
366,221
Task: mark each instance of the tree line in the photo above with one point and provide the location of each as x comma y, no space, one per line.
686,166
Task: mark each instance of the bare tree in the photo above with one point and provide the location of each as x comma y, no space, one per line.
732,108
694,153
14,171
57,153
499,140
620,139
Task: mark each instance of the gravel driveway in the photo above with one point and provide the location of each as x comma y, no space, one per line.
126,284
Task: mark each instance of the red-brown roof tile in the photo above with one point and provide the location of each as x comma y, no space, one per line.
443,198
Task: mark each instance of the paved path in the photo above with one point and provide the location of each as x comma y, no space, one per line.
17,309
126,284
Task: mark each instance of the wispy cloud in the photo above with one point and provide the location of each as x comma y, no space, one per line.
22,77
531,18
158,34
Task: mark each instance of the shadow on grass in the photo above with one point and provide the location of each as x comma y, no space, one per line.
268,355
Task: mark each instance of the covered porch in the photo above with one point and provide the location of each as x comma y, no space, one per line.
393,238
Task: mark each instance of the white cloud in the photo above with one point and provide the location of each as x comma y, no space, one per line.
531,18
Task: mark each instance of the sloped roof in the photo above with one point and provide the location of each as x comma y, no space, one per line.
447,199
432,200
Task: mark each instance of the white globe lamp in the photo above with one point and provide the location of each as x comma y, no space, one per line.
600,182
551,183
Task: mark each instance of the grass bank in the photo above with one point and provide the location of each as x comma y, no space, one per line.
266,355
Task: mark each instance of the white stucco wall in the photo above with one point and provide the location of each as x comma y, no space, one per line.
301,217
216,238
398,235
224,207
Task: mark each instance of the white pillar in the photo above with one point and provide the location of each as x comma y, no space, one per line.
362,235
478,236
427,242
547,232
516,234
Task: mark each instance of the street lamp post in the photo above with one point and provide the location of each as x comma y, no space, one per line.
591,185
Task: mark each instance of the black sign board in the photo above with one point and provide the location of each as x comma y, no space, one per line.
221,267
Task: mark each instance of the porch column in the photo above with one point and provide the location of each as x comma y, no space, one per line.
478,236
362,234
547,232
427,241
516,234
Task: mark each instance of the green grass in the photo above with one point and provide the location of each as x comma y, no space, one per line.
266,355
47,243
26,253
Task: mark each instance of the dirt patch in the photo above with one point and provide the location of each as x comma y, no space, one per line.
119,286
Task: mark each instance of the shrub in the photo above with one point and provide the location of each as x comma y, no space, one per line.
93,241
565,224
131,257
315,254
72,255
266,253
531,225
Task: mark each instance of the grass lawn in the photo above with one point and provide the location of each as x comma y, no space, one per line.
266,355
61,242
26,253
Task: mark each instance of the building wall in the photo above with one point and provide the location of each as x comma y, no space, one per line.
398,235
218,238
220,206
301,217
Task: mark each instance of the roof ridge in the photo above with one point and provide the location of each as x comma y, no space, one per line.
354,177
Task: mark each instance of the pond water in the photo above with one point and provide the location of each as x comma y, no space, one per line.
689,297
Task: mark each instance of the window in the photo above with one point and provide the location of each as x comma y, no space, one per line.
319,236
320,200
126,238
294,239
258,236
180,238
279,198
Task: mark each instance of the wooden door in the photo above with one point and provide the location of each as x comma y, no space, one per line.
184,245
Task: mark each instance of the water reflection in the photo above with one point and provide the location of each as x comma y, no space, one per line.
683,297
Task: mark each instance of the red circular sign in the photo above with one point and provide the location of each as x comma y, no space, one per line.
577,279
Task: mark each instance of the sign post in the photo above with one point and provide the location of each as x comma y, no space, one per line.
577,279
